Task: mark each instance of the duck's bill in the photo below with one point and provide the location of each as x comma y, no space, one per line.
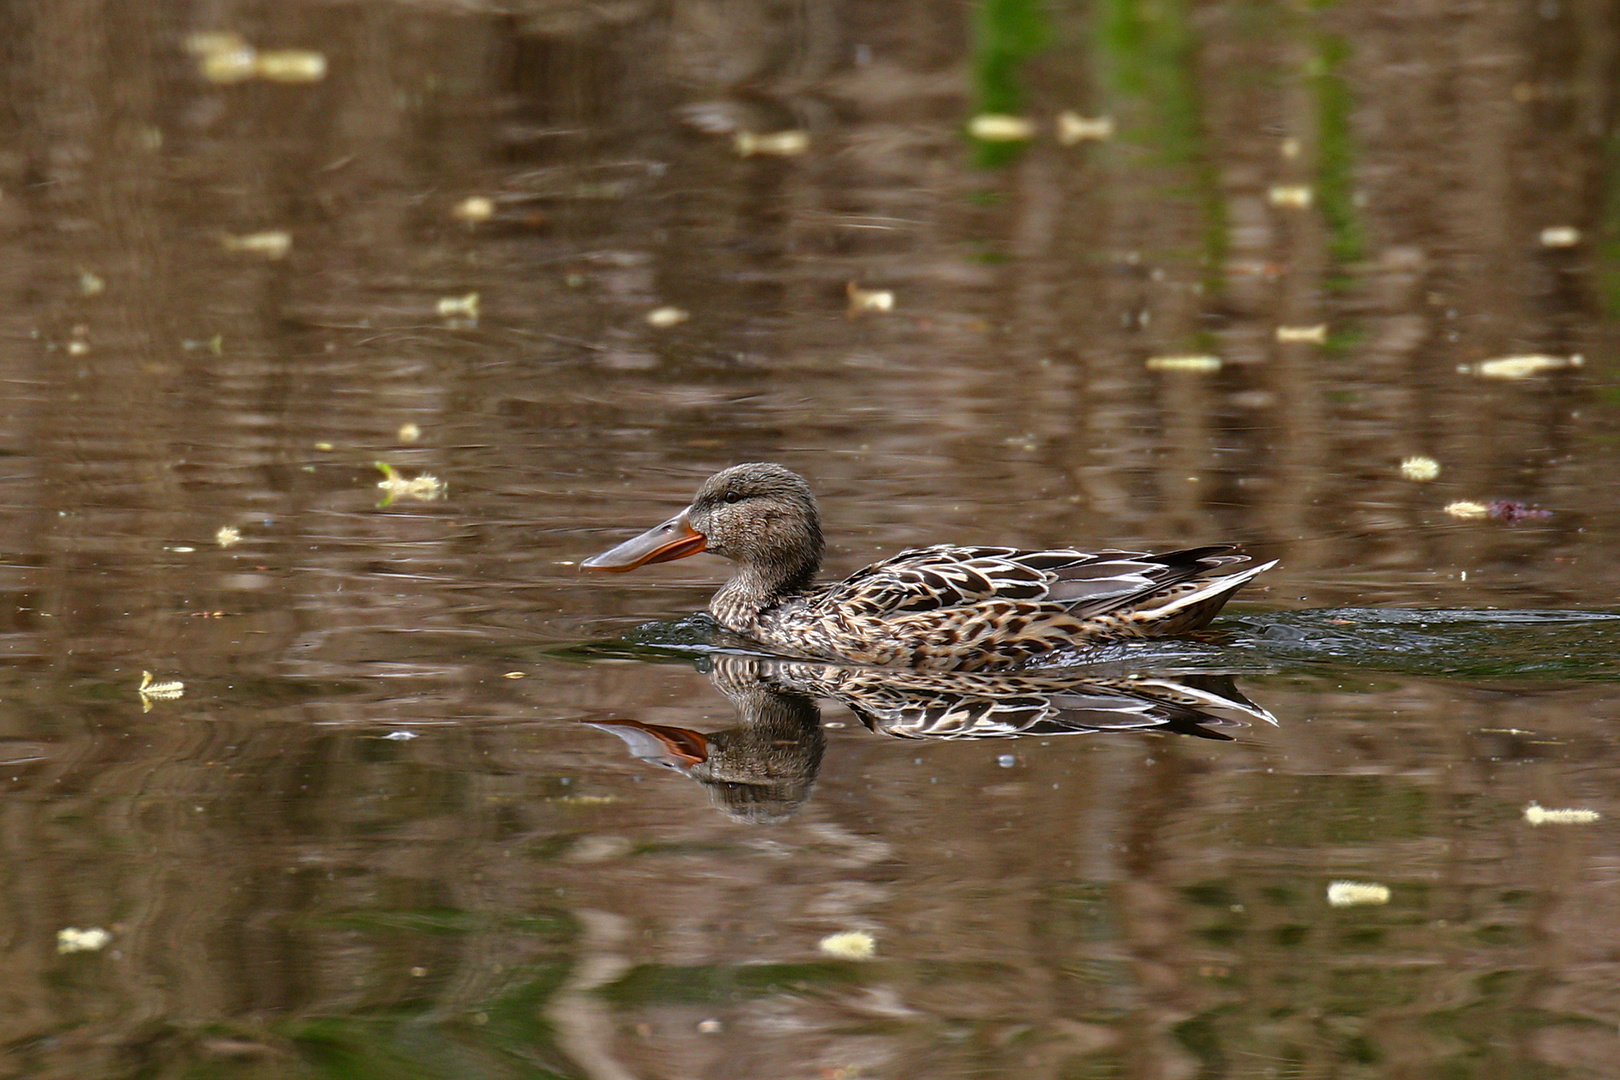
674,747
674,539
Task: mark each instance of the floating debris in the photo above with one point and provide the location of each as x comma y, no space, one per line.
325,447
474,209
664,317
1537,814
1520,367
401,736
514,675
710,1027
1183,363
1354,893
424,488
91,284
226,57
227,536
291,66
72,939
409,432
272,245
1513,511
1073,128
215,344
151,690
1289,148
864,300
849,945
1001,127
772,144
1310,335
1560,236
466,307
1421,469
1291,196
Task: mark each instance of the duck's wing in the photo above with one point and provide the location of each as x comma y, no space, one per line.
1080,582
952,705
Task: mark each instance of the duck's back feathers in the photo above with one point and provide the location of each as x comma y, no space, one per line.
978,607
1083,582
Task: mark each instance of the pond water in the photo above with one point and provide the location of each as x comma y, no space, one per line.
338,334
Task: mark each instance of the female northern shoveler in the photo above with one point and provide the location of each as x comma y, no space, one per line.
937,608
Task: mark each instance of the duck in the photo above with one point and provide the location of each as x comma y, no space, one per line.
762,769
939,608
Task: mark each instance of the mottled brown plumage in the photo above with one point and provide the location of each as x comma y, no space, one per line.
936,608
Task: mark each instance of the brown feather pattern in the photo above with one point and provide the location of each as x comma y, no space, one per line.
967,608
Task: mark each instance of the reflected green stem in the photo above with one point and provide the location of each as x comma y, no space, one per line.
1006,34
1151,57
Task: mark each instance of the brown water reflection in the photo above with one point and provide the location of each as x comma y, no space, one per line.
355,845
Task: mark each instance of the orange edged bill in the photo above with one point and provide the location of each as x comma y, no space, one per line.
673,747
674,539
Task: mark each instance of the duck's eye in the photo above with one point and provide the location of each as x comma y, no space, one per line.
733,496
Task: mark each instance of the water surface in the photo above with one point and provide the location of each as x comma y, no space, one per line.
389,822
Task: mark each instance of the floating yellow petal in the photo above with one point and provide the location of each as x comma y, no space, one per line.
1521,367
1464,508
1560,236
862,300
849,945
772,144
228,536
1312,335
665,317
1183,363
1355,893
473,209
424,488
1539,815
151,691
291,66
72,939
459,306
1073,128
1000,127
1421,469
272,245
1291,196
231,65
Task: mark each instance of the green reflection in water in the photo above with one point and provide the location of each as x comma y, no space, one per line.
1335,186
1608,242
1006,34
1150,58
661,984
502,1032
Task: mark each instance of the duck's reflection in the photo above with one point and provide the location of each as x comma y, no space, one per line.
763,769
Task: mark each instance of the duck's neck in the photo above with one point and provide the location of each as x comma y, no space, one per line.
757,586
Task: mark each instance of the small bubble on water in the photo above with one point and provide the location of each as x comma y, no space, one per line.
1007,761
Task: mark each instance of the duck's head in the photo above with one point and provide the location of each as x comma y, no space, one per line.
759,515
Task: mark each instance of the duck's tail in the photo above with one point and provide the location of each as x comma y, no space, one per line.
1190,605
